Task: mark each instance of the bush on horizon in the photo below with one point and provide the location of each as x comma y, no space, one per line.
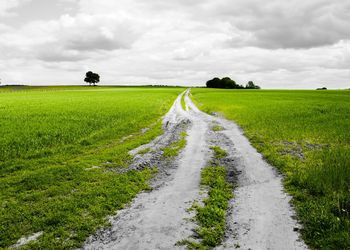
228,83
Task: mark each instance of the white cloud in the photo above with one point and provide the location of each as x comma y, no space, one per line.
293,44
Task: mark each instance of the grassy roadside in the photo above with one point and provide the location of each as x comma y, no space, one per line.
306,135
58,156
211,217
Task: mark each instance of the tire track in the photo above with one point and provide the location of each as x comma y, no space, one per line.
260,216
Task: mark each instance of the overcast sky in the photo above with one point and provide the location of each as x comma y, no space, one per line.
276,43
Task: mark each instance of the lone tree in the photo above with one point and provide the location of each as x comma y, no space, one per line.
92,78
251,85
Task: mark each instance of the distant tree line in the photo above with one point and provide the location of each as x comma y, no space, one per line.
228,83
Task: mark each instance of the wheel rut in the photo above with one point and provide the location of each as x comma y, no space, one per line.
260,215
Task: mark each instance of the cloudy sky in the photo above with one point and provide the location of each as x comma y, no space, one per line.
275,43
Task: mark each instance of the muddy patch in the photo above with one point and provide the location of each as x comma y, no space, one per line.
221,140
151,155
298,149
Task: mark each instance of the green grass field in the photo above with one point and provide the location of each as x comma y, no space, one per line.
306,135
58,149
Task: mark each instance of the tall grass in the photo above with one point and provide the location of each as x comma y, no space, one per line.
59,148
306,135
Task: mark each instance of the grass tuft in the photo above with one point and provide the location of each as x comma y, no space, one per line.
211,217
144,151
175,148
219,153
217,128
183,103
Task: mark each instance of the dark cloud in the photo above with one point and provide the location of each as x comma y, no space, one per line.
7,7
98,42
289,24
56,54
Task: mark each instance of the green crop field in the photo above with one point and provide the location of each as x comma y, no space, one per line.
58,149
306,135
61,149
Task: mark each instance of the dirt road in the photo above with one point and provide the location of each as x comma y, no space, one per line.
260,216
